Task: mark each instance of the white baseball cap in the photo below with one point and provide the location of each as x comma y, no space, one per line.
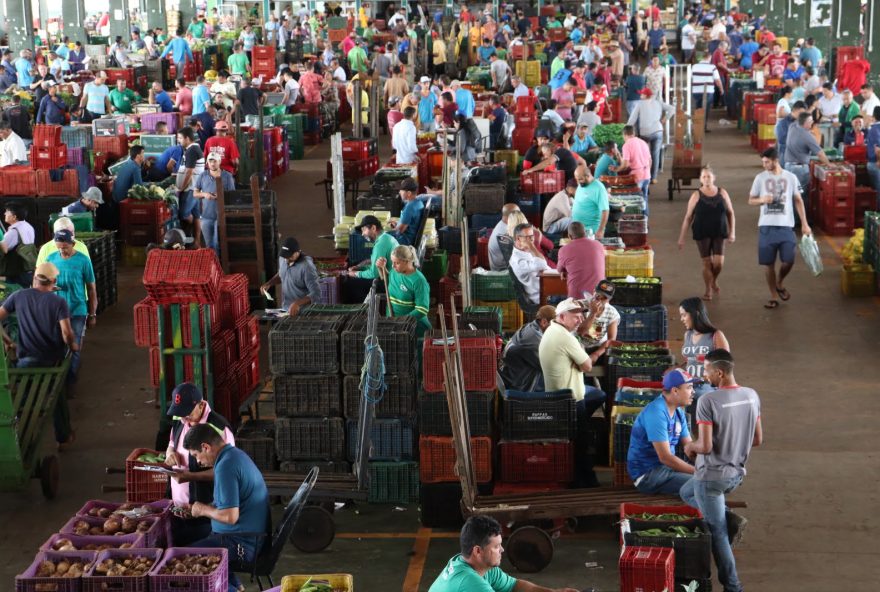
569,305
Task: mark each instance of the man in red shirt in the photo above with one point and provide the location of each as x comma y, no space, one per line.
581,262
225,146
777,61
852,75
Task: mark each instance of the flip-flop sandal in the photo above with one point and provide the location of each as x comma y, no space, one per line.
772,304
706,297
783,293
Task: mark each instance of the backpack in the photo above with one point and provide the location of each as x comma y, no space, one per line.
22,259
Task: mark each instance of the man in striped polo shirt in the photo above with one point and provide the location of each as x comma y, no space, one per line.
704,79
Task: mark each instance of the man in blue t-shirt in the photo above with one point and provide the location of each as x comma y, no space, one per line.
166,163
158,96
746,51
496,123
241,500
477,567
662,424
405,230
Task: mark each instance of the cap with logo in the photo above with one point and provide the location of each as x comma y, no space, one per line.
569,305
605,288
290,246
184,399
676,378
369,221
64,236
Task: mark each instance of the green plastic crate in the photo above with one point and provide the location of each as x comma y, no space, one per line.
393,482
435,268
492,286
482,317
274,111
157,143
337,22
84,222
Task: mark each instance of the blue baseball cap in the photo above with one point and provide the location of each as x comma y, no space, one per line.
184,399
676,378
64,236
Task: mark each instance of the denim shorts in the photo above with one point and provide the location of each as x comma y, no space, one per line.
773,240
189,205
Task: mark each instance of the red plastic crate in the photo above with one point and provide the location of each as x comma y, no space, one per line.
18,179
557,35
264,52
526,120
520,52
437,459
46,135
224,351
67,186
146,323
247,334
248,372
114,74
142,211
359,149
502,488
647,569
765,113
141,235
117,146
356,169
143,486
838,223
156,378
263,65
479,356
183,277
483,252
311,138
855,154
234,303
536,461
225,392
543,182
762,145
522,139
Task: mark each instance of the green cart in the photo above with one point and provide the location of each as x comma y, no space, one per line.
27,401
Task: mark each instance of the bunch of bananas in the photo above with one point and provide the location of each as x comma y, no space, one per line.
852,252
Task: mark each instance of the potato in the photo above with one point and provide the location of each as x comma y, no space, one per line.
62,568
111,526
191,565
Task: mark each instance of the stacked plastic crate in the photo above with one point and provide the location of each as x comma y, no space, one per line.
304,357
441,488
49,161
526,120
393,466
295,124
495,289
312,131
630,399
833,201
102,250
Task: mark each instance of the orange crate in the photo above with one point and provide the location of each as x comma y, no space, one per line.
337,35
143,486
67,186
18,180
265,52
437,459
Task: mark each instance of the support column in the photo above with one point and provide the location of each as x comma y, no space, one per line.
73,13
794,22
872,36
20,18
188,11
775,10
156,13
119,20
450,7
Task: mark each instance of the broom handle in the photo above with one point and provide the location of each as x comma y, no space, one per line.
384,272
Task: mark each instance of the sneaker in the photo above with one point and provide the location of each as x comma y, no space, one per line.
736,525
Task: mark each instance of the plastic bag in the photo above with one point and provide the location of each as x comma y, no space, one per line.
810,252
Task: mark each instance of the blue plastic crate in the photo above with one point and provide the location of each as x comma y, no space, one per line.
642,324
480,221
393,439
358,248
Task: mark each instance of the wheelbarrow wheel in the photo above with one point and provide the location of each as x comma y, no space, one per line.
530,549
49,476
314,530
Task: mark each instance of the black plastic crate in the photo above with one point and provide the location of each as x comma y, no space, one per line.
622,432
434,414
638,293
308,395
393,439
483,318
647,369
257,439
305,438
304,345
440,505
344,312
538,416
302,467
642,324
693,556
398,400
486,174
397,338
388,203
484,199
450,240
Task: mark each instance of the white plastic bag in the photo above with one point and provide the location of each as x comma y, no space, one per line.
810,252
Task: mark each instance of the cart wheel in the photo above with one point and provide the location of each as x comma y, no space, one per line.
49,476
314,530
529,549
670,186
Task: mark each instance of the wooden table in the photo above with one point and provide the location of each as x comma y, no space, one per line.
552,284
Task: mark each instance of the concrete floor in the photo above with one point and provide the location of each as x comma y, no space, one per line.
811,488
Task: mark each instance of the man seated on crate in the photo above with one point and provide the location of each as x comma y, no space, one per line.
192,483
601,321
477,567
581,262
521,368
240,510
89,202
298,277
563,363
660,427
527,261
411,215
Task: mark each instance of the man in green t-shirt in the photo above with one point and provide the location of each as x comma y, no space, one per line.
357,57
238,62
122,99
196,27
476,568
383,243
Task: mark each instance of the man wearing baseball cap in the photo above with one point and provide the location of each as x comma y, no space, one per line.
651,461
205,190
44,334
298,278
225,146
192,482
89,202
383,243
405,230
648,117
601,321
563,363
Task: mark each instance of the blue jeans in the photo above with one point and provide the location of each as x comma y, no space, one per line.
61,415
874,175
644,187
237,551
631,106
560,226
77,324
708,498
662,480
209,234
593,399
655,143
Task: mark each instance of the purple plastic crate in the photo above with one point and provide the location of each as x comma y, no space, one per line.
160,507
156,536
329,289
96,583
136,540
76,156
28,581
149,121
217,581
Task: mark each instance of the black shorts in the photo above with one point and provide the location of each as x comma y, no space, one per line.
710,246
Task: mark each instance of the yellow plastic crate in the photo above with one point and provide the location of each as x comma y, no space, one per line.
634,262
510,158
766,131
615,411
293,583
134,256
783,41
530,72
512,317
857,281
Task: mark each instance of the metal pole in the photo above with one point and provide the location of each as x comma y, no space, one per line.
465,264
374,106
338,179
357,127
